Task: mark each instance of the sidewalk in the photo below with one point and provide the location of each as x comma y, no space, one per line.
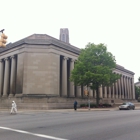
66,110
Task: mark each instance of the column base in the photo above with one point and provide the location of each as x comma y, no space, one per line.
4,96
119,97
122,97
18,95
79,96
71,96
116,97
11,95
64,96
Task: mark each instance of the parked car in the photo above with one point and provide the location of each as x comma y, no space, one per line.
127,105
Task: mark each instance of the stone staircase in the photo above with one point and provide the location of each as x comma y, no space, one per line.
46,103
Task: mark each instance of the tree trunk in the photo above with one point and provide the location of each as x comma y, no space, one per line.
97,96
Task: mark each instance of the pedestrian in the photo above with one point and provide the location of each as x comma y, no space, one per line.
14,107
75,105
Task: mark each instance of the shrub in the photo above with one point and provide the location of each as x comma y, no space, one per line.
92,105
83,105
106,105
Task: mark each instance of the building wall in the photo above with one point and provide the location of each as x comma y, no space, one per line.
41,73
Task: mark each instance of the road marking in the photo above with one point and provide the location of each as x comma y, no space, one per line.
34,134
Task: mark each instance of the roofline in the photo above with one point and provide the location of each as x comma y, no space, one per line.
123,69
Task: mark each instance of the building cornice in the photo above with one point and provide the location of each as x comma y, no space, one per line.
123,69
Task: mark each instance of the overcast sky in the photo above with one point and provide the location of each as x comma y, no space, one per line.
113,22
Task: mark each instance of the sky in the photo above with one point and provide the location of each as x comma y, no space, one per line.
115,23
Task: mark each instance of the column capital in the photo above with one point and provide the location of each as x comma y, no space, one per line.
72,60
13,56
5,58
65,58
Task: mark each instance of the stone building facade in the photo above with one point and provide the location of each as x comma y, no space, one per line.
137,84
37,69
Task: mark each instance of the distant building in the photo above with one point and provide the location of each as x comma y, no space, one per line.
64,35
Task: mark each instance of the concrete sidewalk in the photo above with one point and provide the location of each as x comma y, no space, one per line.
65,110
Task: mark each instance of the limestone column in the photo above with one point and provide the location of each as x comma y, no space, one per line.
90,92
95,94
83,90
64,76
6,78
113,91
105,92
119,88
13,74
78,91
72,83
127,88
101,92
1,76
131,95
122,87
133,89
125,83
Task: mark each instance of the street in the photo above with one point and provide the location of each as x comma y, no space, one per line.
70,125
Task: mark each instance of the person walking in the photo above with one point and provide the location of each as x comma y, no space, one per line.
14,107
75,105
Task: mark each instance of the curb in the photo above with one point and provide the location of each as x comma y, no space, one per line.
65,110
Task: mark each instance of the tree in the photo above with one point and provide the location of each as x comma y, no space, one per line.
137,92
94,68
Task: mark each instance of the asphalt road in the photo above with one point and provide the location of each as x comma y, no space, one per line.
71,125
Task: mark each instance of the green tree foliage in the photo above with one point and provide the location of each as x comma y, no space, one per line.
137,92
94,68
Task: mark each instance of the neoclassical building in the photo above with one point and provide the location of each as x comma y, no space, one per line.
137,84
37,69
